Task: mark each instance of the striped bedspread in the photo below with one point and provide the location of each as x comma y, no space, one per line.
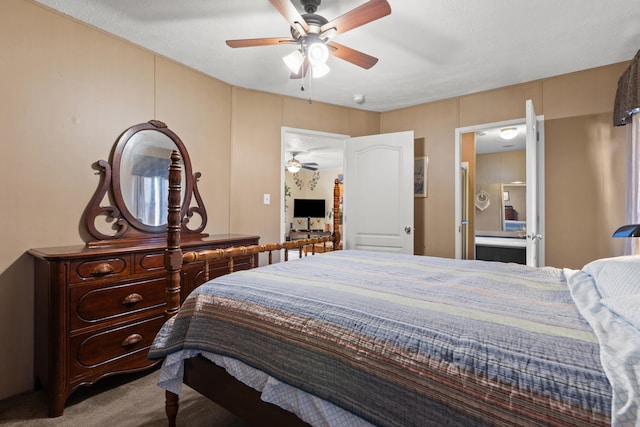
407,341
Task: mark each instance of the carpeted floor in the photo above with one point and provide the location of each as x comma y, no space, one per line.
123,400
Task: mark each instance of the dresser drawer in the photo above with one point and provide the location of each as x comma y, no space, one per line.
108,268
109,348
93,304
150,261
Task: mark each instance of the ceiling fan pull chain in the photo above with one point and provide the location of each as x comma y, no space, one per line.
309,85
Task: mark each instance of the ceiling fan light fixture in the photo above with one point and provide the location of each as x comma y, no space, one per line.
508,133
294,165
318,53
294,60
319,70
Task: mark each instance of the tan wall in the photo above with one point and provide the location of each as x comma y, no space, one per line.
584,160
585,199
256,149
198,109
67,93
69,90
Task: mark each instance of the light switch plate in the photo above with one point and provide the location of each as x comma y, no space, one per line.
267,199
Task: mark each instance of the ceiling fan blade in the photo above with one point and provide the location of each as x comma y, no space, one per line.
310,164
304,166
363,14
269,41
291,14
351,55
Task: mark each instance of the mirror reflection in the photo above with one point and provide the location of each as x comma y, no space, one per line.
514,207
500,189
144,176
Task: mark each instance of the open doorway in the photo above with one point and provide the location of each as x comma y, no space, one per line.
500,191
320,157
382,222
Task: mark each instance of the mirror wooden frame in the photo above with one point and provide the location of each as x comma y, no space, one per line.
127,229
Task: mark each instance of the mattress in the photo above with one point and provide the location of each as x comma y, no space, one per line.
397,340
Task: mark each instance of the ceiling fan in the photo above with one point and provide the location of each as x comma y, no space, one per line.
313,34
294,165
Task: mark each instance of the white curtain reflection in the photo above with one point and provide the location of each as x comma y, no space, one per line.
150,195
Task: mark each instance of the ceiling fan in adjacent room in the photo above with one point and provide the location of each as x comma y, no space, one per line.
294,165
313,33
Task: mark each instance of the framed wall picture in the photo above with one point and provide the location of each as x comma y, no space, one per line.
420,176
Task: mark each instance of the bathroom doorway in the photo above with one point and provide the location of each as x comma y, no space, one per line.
500,191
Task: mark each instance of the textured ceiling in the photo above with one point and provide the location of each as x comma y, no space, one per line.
427,50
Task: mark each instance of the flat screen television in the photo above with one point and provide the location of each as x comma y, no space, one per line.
308,208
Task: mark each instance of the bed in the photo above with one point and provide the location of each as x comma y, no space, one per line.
363,338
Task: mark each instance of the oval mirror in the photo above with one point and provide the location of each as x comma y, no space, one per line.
141,175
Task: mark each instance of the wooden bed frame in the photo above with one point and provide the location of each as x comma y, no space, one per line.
200,374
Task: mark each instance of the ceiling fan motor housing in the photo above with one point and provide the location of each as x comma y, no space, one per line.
314,21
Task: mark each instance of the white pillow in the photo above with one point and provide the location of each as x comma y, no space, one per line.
627,307
616,276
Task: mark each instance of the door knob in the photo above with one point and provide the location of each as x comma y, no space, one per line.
407,230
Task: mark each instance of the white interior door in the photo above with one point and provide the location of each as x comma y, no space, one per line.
535,187
378,193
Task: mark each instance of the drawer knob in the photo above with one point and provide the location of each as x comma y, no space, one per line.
132,299
132,340
102,269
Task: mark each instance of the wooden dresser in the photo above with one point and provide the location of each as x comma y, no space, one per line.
98,309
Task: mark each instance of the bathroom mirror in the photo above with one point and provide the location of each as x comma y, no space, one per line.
136,182
501,175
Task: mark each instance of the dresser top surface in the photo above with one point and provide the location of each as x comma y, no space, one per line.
78,251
